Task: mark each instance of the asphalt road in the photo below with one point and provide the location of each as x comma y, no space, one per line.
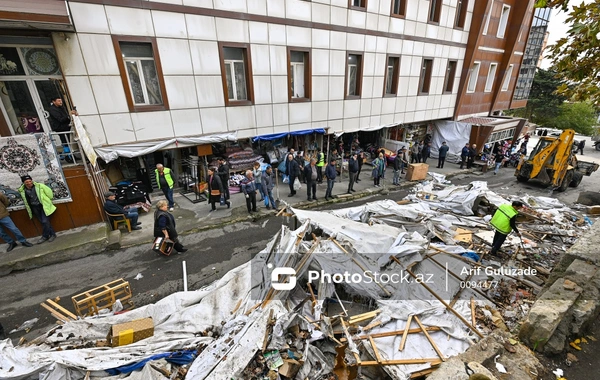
211,254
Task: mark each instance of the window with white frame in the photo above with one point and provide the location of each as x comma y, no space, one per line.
503,21
487,20
235,73
489,82
473,76
298,74
507,76
141,73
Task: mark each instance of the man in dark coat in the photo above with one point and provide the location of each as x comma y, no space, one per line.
581,145
292,170
59,118
330,174
353,171
311,175
361,161
443,152
472,155
112,207
397,168
464,154
223,172
426,152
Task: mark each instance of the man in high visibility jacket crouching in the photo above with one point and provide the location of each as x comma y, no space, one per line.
504,221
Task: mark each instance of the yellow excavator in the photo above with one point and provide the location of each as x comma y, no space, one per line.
554,163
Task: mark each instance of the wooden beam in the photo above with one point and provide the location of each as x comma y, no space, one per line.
473,320
405,333
375,349
435,347
432,361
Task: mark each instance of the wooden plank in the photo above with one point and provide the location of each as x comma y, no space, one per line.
375,349
268,331
473,320
435,347
61,309
432,361
394,333
363,317
356,356
425,372
55,313
405,333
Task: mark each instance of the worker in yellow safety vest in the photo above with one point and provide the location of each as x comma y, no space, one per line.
504,221
320,164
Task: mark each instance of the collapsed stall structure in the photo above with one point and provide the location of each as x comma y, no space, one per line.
388,290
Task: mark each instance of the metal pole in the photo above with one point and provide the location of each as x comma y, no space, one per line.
185,288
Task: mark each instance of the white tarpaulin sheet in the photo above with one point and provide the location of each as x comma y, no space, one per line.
111,153
455,134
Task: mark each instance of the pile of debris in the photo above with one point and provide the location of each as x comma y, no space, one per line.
387,290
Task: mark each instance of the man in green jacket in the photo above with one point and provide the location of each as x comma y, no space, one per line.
164,179
38,201
504,221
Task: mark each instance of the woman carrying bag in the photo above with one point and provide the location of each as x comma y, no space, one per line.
164,225
216,191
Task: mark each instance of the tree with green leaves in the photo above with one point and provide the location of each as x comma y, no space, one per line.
544,102
576,56
579,116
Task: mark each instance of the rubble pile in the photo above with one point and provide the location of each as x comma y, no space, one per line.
386,290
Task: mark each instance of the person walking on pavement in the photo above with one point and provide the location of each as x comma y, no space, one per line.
223,172
498,159
112,207
7,224
361,161
300,160
353,172
378,168
397,168
464,154
292,169
257,173
403,160
581,145
472,155
248,187
320,164
37,198
215,190
165,182
164,225
425,152
268,183
330,174
504,221
442,153
311,174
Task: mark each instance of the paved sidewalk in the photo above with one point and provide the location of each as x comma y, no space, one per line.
191,218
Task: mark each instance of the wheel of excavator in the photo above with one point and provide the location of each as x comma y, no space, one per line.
577,177
566,181
522,178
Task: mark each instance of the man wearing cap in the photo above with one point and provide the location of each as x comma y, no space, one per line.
165,182
6,223
111,207
504,221
37,198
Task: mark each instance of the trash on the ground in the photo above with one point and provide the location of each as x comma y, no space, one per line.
499,366
25,326
139,276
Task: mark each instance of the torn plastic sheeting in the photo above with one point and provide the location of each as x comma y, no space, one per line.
179,358
414,212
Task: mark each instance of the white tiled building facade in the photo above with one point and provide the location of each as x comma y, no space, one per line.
188,34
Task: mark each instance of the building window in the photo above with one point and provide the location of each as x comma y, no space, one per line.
141,73
299,74
435,9
236,73
503,21
487,20
425,80
489,82
353,75
507,78
449,78
392,71
461,13
399,8
361,4
473,76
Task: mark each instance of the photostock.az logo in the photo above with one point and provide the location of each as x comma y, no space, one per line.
283,271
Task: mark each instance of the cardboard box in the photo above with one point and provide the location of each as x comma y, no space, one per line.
290,368
130,332
417,172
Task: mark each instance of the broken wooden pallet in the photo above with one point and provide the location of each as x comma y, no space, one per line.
58,311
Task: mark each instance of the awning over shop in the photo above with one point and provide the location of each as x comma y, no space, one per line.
276,136
371,128
111,153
